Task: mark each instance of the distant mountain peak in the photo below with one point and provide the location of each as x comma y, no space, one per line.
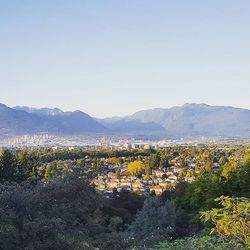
40,111
188,120
195,105
3,105
26,120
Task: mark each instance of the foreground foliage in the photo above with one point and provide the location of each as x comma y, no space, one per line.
200,195
200,243
46,201
155,222
232,220
64,214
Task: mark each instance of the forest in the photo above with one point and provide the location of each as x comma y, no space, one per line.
47,200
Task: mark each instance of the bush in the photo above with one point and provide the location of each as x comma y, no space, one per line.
200,243
232,220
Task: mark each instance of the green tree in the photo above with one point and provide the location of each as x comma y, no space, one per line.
190,172
63,214
232,220
182,164
222,160
183,172
237,178
208,166
148,170
26,164
8,166
156,221
114,161
206,242
154,160
229,168
51,171
197,196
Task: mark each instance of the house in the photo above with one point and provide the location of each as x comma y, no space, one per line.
137,185
189,179
158,189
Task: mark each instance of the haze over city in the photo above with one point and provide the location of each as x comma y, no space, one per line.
111,58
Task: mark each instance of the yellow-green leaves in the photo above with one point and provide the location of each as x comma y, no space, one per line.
232,220
135,167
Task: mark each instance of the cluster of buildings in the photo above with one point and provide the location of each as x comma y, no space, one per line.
112,142
48,141
159,181
28,141
123,144
131,143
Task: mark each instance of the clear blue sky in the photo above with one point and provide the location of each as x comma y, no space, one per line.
114,57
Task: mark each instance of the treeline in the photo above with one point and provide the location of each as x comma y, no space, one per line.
48,155
230,180
19,165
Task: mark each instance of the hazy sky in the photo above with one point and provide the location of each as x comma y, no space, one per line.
115,57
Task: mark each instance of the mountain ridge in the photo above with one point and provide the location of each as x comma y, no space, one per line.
25,120
188,120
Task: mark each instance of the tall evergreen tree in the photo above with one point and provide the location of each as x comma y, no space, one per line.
8,166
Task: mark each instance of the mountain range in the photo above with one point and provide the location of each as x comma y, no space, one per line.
189,120
25,120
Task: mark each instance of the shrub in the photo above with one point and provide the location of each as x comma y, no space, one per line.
232,220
